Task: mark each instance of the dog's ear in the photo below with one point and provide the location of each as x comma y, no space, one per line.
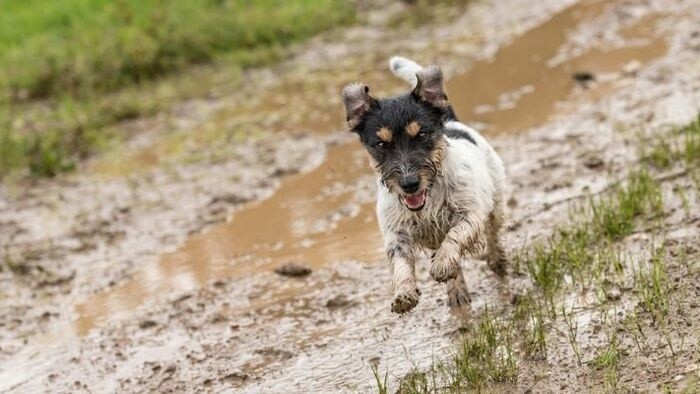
357,102
430,88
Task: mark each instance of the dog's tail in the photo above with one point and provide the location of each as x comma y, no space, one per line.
405,69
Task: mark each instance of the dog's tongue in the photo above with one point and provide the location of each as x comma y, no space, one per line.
416,200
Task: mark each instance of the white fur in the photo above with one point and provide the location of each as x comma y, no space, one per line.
462,213
405,69
468,188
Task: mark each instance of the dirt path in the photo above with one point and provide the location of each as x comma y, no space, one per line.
128,277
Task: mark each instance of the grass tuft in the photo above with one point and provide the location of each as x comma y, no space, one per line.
652,285
382,382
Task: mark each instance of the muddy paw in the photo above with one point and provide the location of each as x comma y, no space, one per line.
444,271
459,299
405,300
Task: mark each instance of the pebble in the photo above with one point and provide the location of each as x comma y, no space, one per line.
293,270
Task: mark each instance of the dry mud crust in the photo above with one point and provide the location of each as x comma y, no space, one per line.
263,334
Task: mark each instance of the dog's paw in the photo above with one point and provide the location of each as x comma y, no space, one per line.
405,299
497,264
459,301
459,298
443,270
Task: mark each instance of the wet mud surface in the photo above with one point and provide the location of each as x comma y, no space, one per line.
157,272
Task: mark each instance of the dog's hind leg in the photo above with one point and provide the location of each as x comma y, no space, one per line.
495,254
457,295
401,257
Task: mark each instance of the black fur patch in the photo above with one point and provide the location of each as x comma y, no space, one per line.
405,155
460,134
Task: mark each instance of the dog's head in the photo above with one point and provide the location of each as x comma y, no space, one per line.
403,134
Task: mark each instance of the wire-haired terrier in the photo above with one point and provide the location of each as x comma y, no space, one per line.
440,184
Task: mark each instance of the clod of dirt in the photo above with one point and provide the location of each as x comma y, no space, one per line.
614,294
293,270
146,324
339,301
276,354
584,78
229,199
56,279
593,162
235,377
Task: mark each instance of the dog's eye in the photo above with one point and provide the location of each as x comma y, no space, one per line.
380,145
422,134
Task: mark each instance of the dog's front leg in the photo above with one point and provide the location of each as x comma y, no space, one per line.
463,236
401,255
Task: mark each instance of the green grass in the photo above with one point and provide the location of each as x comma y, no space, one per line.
614,216
582,250
485,355
80,46
608,361
71,69
652,285
681,146
381,381
609,357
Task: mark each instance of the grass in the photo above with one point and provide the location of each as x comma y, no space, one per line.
581,250
608,361
78,47
485,356
70,69
382,382
572,332
652,285
680,146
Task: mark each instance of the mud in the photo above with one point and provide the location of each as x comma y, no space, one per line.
170,286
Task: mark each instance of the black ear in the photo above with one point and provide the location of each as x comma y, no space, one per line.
430,88
357,101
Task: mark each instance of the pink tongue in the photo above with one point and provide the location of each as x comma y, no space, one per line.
415,200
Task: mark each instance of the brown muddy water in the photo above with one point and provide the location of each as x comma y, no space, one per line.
324,216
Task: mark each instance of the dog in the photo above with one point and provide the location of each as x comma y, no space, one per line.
439,183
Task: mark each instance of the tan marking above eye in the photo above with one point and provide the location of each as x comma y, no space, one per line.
413,129
385,134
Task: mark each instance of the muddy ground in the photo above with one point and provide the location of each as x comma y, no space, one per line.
152,267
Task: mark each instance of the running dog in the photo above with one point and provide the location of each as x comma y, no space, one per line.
440,184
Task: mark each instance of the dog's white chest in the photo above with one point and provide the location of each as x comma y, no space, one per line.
427,227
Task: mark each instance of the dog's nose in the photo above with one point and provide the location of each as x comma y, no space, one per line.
410,183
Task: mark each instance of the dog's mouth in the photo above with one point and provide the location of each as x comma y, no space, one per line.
415,201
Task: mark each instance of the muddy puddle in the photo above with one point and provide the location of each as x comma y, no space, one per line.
325,215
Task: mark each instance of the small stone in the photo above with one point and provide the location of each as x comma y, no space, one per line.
293,270
584,78
146,324
338,301
632,68
593,162
236,377
512,202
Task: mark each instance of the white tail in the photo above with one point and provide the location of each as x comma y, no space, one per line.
405,69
